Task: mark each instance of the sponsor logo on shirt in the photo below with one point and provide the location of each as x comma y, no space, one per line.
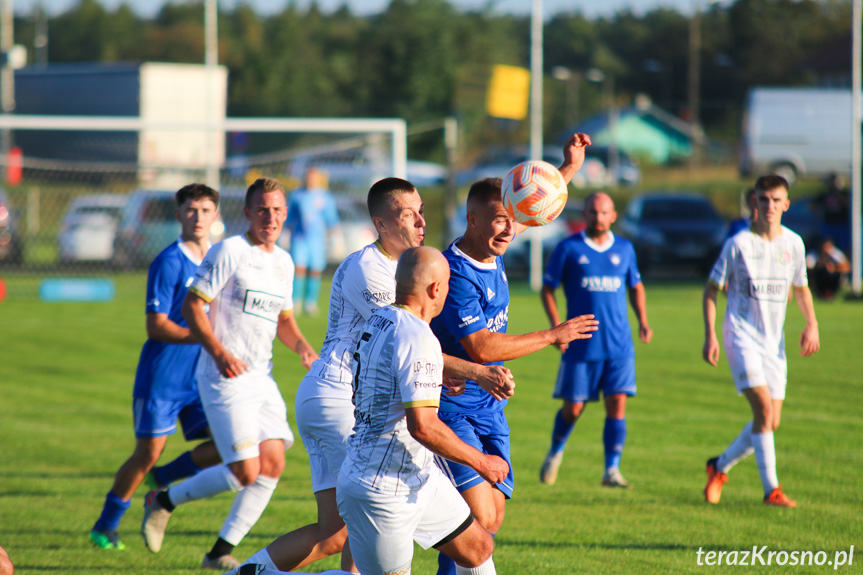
775,290
425,367
243,445
466,321
379,322
601,283
489,294
256,266
382,296
263,305
419,384
583,260
498,322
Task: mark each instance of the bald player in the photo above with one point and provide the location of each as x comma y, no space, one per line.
390,492
598,270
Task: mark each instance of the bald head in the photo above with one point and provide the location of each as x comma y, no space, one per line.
418,268
599,214
599,200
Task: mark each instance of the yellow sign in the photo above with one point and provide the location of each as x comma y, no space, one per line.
508,92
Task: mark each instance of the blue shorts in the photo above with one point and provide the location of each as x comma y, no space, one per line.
309,253
580,381
487,432
157,417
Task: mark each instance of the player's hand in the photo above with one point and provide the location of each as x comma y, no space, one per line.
453,386
809,340
307,354
710,353
573,155
645,333
562,347
493,468
229,366
497,380
576,328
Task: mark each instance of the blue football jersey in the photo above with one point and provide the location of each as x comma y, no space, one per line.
478,299
311,214
596,280
167,370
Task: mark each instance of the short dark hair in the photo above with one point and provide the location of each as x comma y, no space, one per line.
264,185
196,192
383,190
771,182
485,191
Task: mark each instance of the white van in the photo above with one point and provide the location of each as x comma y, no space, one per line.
797,131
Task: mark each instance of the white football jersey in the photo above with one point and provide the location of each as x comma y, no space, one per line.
248,290
398,365
363,283
761,276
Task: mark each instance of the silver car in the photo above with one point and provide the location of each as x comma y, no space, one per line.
89,227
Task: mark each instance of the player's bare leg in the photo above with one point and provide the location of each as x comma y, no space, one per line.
471,550
488,505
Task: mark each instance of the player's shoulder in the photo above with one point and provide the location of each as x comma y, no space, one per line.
369,260
168,257
792,237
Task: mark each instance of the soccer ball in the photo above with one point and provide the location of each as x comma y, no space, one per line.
534,193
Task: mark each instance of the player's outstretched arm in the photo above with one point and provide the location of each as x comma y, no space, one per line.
485,346
710,352
195,314
638,301
160,328
810,342
425,426
289,334
573,155
496,380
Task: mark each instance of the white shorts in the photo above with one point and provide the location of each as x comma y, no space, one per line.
751,368
382,528
242,412
325,423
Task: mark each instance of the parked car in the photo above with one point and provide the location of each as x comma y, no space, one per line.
147,226
517,256
673,228
89,226
497,161
11,250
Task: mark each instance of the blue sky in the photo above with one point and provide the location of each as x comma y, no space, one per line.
589,7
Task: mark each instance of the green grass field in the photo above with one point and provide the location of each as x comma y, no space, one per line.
66,373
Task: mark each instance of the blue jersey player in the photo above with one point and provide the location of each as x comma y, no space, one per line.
473,326
311,213
165,383
597,270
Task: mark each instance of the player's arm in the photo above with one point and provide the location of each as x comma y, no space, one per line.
549,304
160,328
494,379
638,301
573,155
710,352
485,346
809,339
289,334
426,427
195,314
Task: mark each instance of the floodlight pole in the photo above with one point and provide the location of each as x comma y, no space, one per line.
856,256
7,74
536,127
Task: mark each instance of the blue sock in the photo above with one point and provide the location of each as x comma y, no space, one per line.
313,289
614,437
445,565
560,433
112,513
299,291
180,468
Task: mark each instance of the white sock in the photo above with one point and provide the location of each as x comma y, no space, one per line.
209,482
262,557
248,506
486,568
739,449
765,456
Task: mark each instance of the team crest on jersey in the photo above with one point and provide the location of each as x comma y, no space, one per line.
489,294
615,259
785,258
583,260
280,273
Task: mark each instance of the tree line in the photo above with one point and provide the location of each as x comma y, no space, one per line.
425,59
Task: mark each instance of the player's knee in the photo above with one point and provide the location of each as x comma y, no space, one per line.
246,472
334,543
479,553
487,517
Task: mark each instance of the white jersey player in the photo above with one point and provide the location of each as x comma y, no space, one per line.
761,268
247,281
390,492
